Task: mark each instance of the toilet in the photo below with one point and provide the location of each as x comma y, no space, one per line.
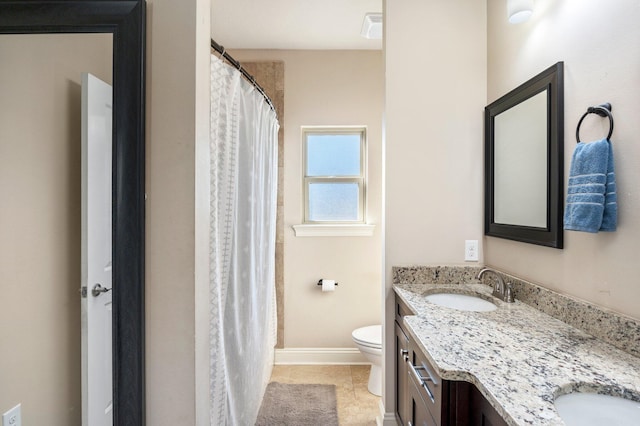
369,342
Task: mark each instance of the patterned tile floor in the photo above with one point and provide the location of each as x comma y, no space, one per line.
356,406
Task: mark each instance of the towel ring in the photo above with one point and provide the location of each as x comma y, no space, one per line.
603,110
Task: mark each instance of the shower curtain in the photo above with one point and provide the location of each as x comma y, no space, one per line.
244,149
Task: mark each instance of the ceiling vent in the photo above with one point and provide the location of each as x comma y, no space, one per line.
372,26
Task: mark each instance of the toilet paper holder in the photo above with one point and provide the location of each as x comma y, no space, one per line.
320,281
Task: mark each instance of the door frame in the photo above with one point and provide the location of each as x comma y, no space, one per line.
125,20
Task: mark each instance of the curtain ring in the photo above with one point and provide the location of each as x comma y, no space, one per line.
603,110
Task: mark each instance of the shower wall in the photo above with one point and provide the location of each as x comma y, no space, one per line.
327,88
270,76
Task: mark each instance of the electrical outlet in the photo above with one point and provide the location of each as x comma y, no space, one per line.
12,417
471,250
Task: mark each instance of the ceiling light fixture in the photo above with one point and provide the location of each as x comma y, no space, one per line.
372,26
519,10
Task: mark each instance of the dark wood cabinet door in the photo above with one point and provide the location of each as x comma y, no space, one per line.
482,413
402,377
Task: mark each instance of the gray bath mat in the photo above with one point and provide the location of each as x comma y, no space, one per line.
297,405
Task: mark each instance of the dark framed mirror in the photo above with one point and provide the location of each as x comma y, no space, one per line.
125,21
524,161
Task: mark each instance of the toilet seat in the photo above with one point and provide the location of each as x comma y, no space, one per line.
370,336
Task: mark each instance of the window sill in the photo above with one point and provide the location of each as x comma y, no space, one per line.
331,230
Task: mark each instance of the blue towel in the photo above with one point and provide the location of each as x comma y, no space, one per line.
591,196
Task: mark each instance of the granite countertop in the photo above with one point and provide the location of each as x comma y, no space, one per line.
518,357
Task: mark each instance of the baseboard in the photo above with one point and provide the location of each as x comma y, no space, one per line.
389,419
320,356
385,419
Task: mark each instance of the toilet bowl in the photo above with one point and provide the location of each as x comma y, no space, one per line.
369,342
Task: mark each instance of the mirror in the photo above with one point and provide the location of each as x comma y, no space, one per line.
524,161
124,22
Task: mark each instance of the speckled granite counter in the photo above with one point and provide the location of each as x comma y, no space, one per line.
518,357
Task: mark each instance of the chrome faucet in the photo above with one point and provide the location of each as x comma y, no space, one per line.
500,289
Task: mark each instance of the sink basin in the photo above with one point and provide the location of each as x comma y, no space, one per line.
592,409
461,302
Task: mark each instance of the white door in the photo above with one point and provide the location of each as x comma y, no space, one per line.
97,407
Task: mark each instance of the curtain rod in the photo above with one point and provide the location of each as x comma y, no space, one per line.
223,53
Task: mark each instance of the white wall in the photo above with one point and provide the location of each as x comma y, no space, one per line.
329,88
600,46
435,64
40,229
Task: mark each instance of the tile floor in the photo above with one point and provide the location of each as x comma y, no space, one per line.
356,406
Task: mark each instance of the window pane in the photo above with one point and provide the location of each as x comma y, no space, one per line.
333,155
333,201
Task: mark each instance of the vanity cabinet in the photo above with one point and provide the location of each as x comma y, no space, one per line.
423,398
419,391
429,393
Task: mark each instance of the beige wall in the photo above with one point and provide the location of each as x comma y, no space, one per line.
176,219
435,62
329,88
599,44
40,229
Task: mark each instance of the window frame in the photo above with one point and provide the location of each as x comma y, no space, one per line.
360,180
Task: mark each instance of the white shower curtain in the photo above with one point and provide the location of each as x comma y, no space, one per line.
244,149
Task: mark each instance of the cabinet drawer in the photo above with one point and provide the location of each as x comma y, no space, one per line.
428,383
419,408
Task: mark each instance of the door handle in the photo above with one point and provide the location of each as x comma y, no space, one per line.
422,380
97,290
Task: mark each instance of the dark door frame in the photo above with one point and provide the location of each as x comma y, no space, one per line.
125,20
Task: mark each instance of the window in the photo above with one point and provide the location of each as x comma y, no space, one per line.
334,175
